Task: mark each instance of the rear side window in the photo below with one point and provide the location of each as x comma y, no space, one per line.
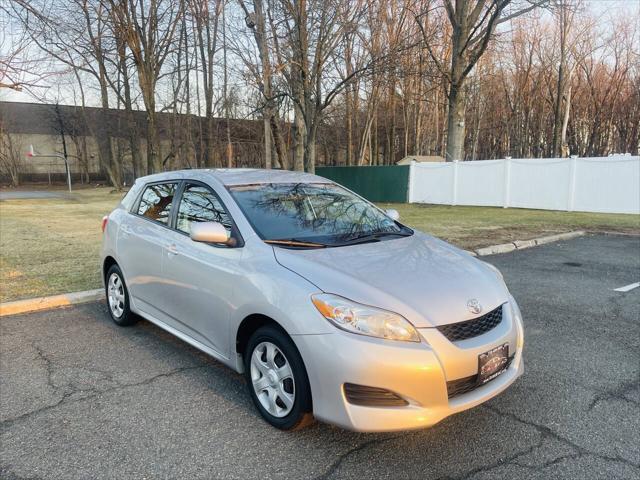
199,204
156,200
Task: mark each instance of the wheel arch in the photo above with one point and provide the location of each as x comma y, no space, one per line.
107,263
249,325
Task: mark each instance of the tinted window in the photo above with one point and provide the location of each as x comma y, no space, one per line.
156,202
199,204
325,213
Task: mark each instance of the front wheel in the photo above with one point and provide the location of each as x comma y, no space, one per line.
118,298
277,380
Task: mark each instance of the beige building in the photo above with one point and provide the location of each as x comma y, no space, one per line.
52,129
420,159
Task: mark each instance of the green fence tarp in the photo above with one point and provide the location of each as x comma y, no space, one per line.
389,183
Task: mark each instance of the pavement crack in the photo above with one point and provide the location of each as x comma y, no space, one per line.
618,393
67,396
499,463
550,463
48,364
358,448
546,432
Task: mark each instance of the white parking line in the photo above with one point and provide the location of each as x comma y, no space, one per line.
626,288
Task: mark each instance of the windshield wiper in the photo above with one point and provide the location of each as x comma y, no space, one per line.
371,237
292,242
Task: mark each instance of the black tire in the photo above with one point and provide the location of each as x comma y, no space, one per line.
127,317
300,415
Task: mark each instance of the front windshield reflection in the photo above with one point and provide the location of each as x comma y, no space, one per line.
312,212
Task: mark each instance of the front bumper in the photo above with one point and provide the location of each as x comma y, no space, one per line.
418,372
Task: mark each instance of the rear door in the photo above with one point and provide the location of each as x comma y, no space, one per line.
202,275
141,242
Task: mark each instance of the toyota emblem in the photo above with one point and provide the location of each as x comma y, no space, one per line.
474,306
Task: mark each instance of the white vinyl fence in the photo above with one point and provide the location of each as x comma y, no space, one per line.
599,184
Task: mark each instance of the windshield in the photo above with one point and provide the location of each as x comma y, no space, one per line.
313,214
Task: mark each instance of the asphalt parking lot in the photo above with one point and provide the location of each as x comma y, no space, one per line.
83,398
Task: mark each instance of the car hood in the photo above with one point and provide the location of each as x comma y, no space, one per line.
424,279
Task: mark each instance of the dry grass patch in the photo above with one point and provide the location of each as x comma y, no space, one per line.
50,246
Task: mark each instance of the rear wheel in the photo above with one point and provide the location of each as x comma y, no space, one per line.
277,379
118,298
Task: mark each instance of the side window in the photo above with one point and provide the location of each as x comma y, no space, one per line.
156,202
199,204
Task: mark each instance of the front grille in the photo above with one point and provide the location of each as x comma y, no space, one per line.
468,384
472,328
372,396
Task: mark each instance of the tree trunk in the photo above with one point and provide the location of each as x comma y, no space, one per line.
299,132
225,89
132,130
282,160
560,86
310,148
103,137
209,150
565,123
154,163
455,124
267,142
557,112
349,127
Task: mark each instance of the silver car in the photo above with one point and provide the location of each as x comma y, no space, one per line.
329,306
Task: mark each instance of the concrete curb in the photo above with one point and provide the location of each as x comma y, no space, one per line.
45,303
522,244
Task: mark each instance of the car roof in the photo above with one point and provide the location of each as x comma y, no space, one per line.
238,176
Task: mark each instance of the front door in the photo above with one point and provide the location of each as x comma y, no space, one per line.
201,275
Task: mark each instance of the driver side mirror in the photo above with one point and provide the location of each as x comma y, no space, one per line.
393,214
209,232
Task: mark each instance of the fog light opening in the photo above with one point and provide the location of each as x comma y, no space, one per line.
365,396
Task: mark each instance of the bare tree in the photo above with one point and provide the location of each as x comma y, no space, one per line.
565,11
206,16
301,83
256,21
148,28
74,36
11,155
20,68
473,24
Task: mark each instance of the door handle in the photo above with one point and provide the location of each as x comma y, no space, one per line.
172,250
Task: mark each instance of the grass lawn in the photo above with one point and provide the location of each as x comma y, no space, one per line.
473,227
50,246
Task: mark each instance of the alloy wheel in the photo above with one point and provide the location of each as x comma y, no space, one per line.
116,295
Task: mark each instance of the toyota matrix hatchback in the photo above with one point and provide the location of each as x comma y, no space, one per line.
329,306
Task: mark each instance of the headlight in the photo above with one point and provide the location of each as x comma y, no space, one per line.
364,320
